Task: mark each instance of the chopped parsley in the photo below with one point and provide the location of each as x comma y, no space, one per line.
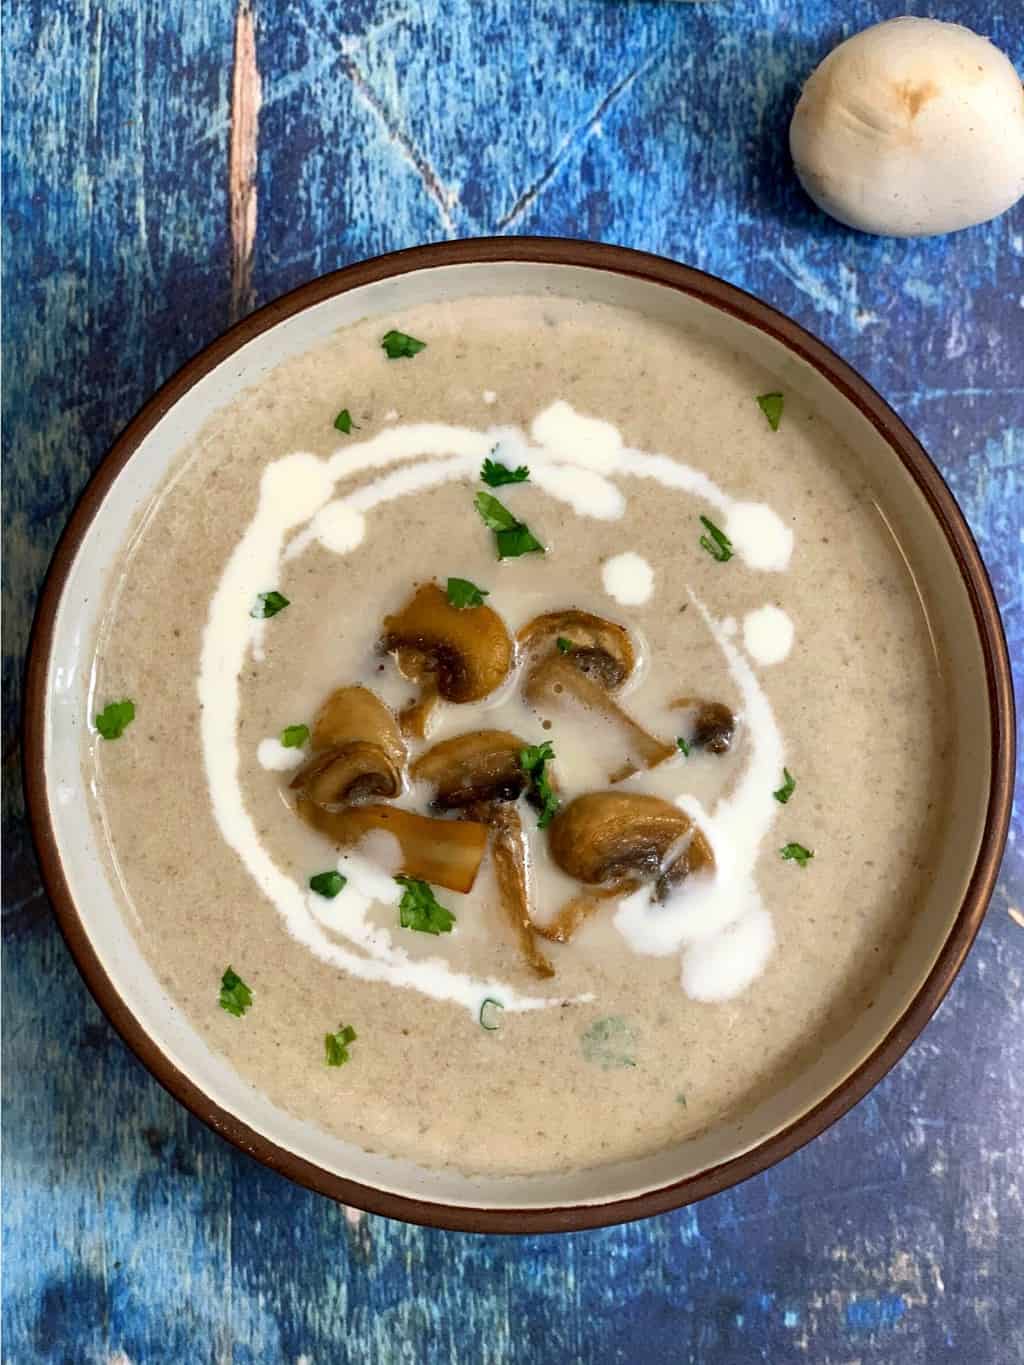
462,593
534,763
488,1019
336,1045
344,422
294,736
787,789
268,604
796,853
564,646
512,537
494,473
683,747
235,995
115,718
399,346
716,542
327,884
771,405
609,1043
418,909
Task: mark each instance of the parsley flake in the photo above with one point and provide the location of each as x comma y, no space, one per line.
344,423
796,853
327,884
268,604
294,736
716,542
462,593
488,1019
399,346
336,1045
787,789
564,646
235,995
683,747
534,763
494,473
418,909
512,537
771,405
115,718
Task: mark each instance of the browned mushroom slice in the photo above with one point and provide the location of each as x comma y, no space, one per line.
443,852
348,773
461,653
616,841
482,766
508,847
556,680
479,775
356,713
714,725
599,648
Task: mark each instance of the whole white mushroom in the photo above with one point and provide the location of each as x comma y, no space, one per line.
911,128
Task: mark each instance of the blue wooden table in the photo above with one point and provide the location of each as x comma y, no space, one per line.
169,164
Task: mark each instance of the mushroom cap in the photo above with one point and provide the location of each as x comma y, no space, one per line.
603,836
467,649
348,773
910,128
480,766
601,649
356,713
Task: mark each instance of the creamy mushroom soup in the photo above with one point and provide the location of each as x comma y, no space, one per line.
517,735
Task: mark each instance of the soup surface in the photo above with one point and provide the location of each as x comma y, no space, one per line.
700,610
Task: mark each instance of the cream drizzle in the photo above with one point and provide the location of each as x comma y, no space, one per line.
573,458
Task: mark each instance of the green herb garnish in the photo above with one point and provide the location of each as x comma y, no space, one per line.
564,646
796,853
494,473
235,995
327,884
771,405
294,736
399,346
512,537
344,422
268,604
486,1016
683,747
787,789
115,717
336,1045
419,909
462,593
534,763
716,542
609,1043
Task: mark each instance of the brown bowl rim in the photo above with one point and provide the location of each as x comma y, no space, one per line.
717,293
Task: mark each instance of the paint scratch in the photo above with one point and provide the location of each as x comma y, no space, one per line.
242,160
578,136
444,199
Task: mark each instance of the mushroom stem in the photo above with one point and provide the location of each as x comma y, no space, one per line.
508,848
556,678
575,911
444,852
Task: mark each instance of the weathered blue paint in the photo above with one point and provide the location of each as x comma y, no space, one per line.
132,1233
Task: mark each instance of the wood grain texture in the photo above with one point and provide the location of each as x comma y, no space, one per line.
132,1234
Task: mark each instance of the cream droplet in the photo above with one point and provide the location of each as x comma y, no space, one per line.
628,578
767,634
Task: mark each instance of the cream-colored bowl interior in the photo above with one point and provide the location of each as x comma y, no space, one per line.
99,905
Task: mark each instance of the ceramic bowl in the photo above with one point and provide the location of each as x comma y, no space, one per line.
944,559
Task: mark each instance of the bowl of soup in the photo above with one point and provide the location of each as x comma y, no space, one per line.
519,735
